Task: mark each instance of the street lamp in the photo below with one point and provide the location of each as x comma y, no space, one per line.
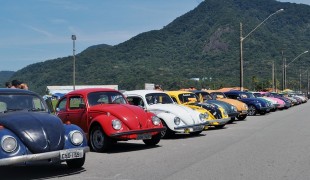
241,45
73,37
286,65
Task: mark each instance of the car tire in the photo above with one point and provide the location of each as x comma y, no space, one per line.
252,110
153,141
166,133
241,117
99,141
76,163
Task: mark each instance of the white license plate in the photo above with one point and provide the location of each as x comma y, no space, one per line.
71,154
198,128
144,136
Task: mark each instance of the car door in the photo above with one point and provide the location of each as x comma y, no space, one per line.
73,109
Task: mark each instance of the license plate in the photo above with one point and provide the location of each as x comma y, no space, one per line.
71,154
198,128
144,136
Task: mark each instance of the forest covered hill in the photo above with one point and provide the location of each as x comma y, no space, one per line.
203,43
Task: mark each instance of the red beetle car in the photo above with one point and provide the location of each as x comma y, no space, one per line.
106,117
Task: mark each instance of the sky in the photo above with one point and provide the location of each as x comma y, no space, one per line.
34,31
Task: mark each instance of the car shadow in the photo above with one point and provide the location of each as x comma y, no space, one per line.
184,136
120,147
37,172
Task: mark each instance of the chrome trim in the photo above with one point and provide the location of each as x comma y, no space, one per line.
193,125
35,157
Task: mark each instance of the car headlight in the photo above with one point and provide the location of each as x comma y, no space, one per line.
245,106
8,143
177,120
76,137
203,116
155,120
234,108
116,124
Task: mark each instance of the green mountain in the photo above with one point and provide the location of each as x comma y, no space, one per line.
203,43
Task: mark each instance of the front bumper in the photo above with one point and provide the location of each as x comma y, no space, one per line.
36,157
193,126
234,114
218,122
135,132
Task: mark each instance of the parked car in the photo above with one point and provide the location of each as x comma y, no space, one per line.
242,107
176,118
191,100
229,108
106,117
256,106
30,134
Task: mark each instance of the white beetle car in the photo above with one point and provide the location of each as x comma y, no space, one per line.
176,118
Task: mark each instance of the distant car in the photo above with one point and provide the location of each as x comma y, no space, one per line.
217,115
256,106
229,108
106,117
242,107
177,118
30,134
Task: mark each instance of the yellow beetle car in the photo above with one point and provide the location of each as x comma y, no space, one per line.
218,117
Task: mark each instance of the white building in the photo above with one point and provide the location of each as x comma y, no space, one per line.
66,89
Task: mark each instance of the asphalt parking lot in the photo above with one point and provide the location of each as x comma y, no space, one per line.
273,146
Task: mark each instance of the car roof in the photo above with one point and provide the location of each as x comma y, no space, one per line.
16,91
88,90
142,92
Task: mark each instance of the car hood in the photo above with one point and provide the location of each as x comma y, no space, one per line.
133,116
40,132
185,113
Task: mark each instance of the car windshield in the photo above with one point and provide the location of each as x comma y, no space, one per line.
158,98
218,95
204,95
188,97
18,102
257,94
105,98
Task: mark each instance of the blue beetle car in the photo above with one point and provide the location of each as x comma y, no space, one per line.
256,106
30,134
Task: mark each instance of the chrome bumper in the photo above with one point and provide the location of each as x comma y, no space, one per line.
35,157
216,122
192,126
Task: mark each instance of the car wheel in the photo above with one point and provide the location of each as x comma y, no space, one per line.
166,133
76,163
153,141
196,133
252,110
232,119
241,117
99,141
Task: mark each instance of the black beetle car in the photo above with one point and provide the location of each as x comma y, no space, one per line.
30,134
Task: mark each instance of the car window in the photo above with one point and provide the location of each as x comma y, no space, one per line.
17,102
105,97
62,104
188,97
158,98
76,102
137,101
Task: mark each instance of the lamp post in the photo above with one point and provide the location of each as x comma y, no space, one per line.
286,65
73,37
241,45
